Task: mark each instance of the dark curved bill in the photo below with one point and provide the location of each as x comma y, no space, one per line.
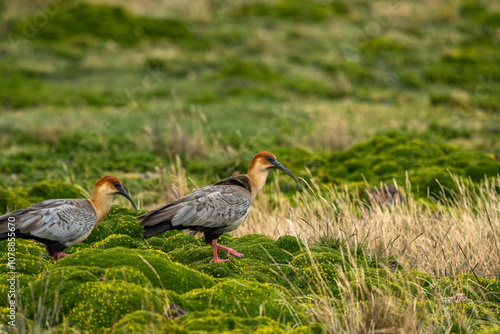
122,192
279,166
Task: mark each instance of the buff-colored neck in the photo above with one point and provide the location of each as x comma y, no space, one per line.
257,176
101,201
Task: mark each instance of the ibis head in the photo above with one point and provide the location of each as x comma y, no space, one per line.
108,186
260,166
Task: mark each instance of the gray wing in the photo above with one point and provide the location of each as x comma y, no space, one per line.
60,220
213,206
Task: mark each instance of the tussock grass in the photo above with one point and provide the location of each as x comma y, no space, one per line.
443,234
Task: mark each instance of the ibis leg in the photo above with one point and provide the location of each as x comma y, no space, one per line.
56,256
213,243
230,251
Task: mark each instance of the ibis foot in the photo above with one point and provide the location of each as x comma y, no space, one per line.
229,251
219,260
56,256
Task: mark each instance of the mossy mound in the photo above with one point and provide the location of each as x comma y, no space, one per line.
290,244
189,254
50,190
128,274
91,297
53,286
27,257
240,298
102,22
141,322
179,240
100,304
159,270
260,253
260,247
217,321
317,266
384,158
120,220
186,250
10,200
117,240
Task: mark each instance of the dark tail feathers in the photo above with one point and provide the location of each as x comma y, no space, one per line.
150,231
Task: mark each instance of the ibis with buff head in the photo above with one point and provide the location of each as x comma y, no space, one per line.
213,210
62,223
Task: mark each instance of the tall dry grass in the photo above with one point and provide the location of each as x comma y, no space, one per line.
444,235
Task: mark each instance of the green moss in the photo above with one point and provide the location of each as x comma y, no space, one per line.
243,268
191,253
26,247
259,247
50,190
321,260
140,322
54,289
128,274
160,271
478,169
240,298
101,304
117,240
20,281
178,241
120,220
290,244
436,180
385,168
26,264
213,321
383,158
11,201
491,330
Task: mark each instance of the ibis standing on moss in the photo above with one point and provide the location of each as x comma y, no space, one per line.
62,223
215,209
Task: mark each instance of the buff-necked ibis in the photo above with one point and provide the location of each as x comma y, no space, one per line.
213,210
62,223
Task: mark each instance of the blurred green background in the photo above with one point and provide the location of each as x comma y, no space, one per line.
134,89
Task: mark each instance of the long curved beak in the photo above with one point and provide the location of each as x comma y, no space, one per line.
279,166
122,192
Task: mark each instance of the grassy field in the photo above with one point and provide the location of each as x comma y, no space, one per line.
169,96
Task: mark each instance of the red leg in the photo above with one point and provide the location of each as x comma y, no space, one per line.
230,251
56,256
213,243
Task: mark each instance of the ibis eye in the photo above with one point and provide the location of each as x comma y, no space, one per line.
270,159
116,184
